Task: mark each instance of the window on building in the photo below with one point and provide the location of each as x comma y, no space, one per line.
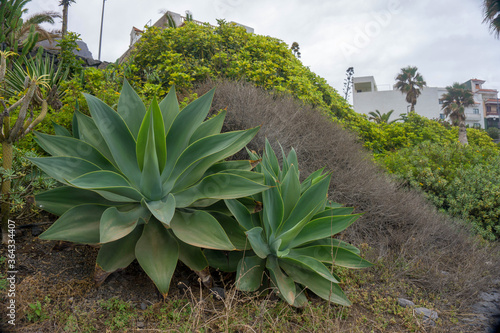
441,116
475,111
478,86
359,90
476,125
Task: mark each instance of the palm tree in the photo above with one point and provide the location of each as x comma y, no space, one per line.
295,49
382,118
492,15
65,4
457,98
409,82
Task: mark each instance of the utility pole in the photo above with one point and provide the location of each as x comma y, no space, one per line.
100,35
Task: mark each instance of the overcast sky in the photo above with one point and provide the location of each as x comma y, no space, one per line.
445,39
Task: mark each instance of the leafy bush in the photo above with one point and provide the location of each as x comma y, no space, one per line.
462,180
138,182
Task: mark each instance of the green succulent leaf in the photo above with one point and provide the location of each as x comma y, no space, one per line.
334,212
225,261
284,283
120,253
117,135
199,228
320,286
259,244
63,168
71,147
233,230
250,271
153,131
310,263
117,223
290,188
210,127
157,252
322,228
241,213
332,255
60,130
163,209
88,132
169,107
192,256
80,224
131,108
61,199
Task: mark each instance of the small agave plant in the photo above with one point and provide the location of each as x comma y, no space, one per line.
291,237
138,181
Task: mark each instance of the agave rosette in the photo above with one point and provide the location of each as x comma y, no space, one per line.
138,181
291,237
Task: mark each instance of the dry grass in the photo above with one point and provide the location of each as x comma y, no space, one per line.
425,246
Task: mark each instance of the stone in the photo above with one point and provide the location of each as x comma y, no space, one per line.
405,303
218,293
140,324
144,306
428,314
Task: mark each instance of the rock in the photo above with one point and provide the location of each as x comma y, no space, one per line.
427,314
144,306
405,303
140,324
218,293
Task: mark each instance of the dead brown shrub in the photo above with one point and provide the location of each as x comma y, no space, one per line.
429,248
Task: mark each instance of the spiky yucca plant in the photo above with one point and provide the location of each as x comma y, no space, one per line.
137,181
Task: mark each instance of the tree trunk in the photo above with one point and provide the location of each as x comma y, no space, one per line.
65,19
462,133
5,210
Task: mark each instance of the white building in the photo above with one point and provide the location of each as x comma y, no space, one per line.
367,97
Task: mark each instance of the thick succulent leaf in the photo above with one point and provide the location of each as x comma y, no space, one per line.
117,223
323,288
241,213
310,263
273,208
200,229
229,166
202,154
307,203
192,256
74,123
163,209
60,199
184,125
60,130
63,168
332,254
209,127
152,125
271,160
157,253
225,261
221,186
285,164
131,108
88,132
290,189
80,224
250,271
285,284
258,242
68,146
292,158
117,135
169,107
322,228
334,211
233,230
308,182
120,253
108,181
329,241
151,185
300,298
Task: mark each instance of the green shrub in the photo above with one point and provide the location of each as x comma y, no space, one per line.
461,180
493,132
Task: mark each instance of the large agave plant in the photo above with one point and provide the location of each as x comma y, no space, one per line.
137,182
291,237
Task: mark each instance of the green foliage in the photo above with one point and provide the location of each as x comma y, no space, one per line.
291,237
193,53
494,133
69,60
26,180
138,181
36,311
461,180
11,25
